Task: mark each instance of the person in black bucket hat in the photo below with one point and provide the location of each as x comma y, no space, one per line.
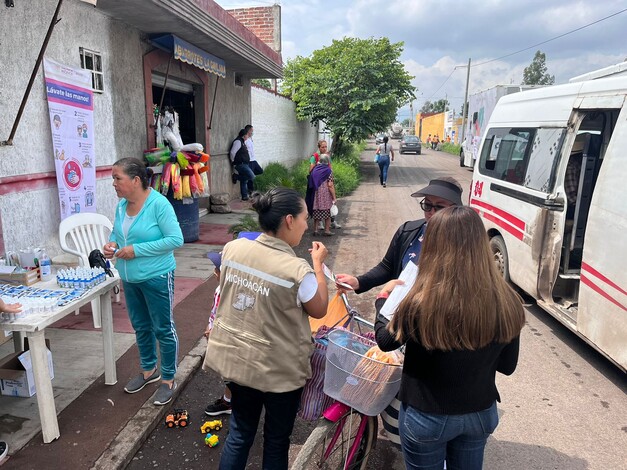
444,188
405,246
440,193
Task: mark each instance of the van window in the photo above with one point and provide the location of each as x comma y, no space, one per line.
521,156
543,158
504,154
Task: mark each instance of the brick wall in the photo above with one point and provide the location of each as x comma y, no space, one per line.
264,22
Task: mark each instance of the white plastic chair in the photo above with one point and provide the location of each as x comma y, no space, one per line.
86,232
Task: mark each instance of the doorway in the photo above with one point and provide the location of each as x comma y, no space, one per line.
182,101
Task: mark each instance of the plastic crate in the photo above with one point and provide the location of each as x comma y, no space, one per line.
360,382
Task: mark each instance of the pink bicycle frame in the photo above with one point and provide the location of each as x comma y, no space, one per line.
336,412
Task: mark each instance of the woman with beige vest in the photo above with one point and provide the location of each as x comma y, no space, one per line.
261,341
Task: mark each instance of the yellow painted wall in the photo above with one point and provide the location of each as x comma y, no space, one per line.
430,125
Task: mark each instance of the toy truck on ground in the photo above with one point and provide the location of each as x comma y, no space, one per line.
211,440
177,418
214,425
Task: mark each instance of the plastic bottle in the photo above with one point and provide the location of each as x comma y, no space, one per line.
45,267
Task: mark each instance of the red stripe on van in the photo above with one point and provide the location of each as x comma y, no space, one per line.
505,226
594,272
585,280
515,221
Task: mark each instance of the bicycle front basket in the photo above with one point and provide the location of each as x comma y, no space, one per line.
358,381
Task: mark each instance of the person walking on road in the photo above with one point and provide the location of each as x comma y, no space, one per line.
385,152
460,323
144,237
261,339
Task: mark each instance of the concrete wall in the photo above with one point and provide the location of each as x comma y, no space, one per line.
279,136
31,217
231,113
433,124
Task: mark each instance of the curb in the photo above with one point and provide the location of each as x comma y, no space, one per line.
128,441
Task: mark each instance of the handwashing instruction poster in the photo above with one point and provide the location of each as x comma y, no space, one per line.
71,106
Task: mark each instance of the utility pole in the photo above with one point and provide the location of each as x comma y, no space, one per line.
465,110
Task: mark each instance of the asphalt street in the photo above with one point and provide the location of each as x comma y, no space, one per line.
564,408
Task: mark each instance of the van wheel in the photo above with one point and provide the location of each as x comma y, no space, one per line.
461,159
499,251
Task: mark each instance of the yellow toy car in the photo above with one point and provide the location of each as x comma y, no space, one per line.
214,425
211,440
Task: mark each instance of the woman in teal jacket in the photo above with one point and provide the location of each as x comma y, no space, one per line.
145,234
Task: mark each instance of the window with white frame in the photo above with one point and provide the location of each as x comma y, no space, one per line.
92,60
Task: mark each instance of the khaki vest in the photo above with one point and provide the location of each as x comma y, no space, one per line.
261,337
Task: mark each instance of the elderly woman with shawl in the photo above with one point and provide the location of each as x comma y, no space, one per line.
321,182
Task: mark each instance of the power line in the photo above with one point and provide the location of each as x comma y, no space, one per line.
549,40
525,49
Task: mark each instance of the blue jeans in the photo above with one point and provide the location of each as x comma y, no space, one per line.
384,164
428,439
149,305
245,174
246,405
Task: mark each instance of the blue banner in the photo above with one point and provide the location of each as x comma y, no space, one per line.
190,54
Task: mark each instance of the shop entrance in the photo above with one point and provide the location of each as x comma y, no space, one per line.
180,96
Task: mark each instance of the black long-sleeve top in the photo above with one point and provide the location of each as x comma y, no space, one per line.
391,265
448,382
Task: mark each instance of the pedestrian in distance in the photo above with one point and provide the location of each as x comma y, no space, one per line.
460,323
385,151
142,243
321,181
240,160
261,339
405,248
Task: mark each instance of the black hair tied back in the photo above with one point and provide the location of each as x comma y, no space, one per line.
274,205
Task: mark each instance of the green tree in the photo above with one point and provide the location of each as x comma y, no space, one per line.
406,122
264,82
438,106
355,86
535,73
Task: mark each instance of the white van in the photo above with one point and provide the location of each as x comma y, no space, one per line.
551,188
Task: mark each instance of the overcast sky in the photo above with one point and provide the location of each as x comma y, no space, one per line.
442,34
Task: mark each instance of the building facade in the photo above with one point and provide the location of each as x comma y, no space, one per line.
134,41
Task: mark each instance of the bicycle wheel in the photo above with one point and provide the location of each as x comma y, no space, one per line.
329,443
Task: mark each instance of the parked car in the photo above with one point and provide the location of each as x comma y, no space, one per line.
379,138
410,143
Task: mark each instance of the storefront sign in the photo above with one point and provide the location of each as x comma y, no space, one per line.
190,54
71,106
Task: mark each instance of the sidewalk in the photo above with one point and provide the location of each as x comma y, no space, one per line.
103,422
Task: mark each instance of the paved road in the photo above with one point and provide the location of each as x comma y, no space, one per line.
564,408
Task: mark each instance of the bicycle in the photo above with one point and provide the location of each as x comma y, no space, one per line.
344,436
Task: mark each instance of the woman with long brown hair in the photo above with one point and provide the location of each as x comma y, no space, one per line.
460,323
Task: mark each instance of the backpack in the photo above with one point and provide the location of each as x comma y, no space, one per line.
97,260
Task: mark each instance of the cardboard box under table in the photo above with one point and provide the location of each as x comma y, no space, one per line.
33,326
16,374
